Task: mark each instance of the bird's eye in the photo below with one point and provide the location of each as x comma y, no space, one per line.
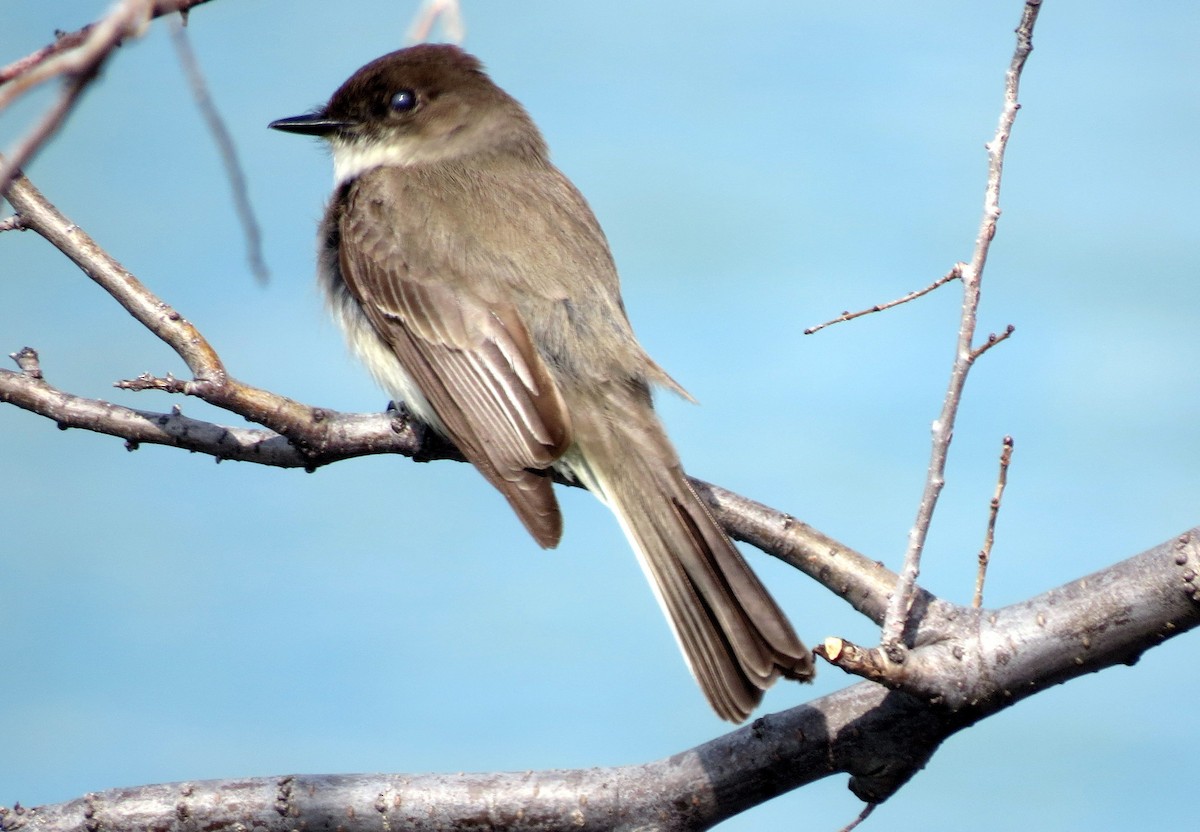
403,101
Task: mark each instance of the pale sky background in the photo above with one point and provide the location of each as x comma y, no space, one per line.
758,168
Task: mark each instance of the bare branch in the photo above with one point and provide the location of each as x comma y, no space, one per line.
63,41
985,553
211,382
39,215
864,583
318,436
66,42
330,436
46,127
448,11
992,340
973,665
965,354
229,155
953,274
27,360
863,815
692,790
78,58
962,656
79,68
12,223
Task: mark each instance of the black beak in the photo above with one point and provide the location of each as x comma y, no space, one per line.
309,124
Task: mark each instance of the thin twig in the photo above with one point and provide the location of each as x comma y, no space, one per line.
27,359
79,66
321,441
38,214
46,127
892,640
229,157
869,663
67,41
210,382
953,274
329,436
430,12
62,42
863,815
13,223
985,553
70,54
992,340
78,58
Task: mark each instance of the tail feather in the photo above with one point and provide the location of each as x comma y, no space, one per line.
724,659
734,637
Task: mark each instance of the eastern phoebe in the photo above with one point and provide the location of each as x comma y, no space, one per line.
473,280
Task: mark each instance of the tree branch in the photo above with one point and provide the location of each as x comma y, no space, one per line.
211,382
989,537
240,190
972,664
303,436
953,274
329,436
31,68
959,664
899,608
77,57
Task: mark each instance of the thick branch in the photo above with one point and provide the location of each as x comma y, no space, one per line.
866,584
697,789
976,663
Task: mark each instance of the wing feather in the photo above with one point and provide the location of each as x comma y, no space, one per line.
473,360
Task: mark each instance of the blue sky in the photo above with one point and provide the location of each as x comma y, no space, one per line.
166,618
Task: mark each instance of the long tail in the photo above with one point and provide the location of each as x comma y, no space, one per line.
735,638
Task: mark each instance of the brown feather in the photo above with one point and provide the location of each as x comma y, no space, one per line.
474,280
734,636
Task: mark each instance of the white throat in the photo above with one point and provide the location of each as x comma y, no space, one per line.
351,159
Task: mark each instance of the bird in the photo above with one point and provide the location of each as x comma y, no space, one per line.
474,281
